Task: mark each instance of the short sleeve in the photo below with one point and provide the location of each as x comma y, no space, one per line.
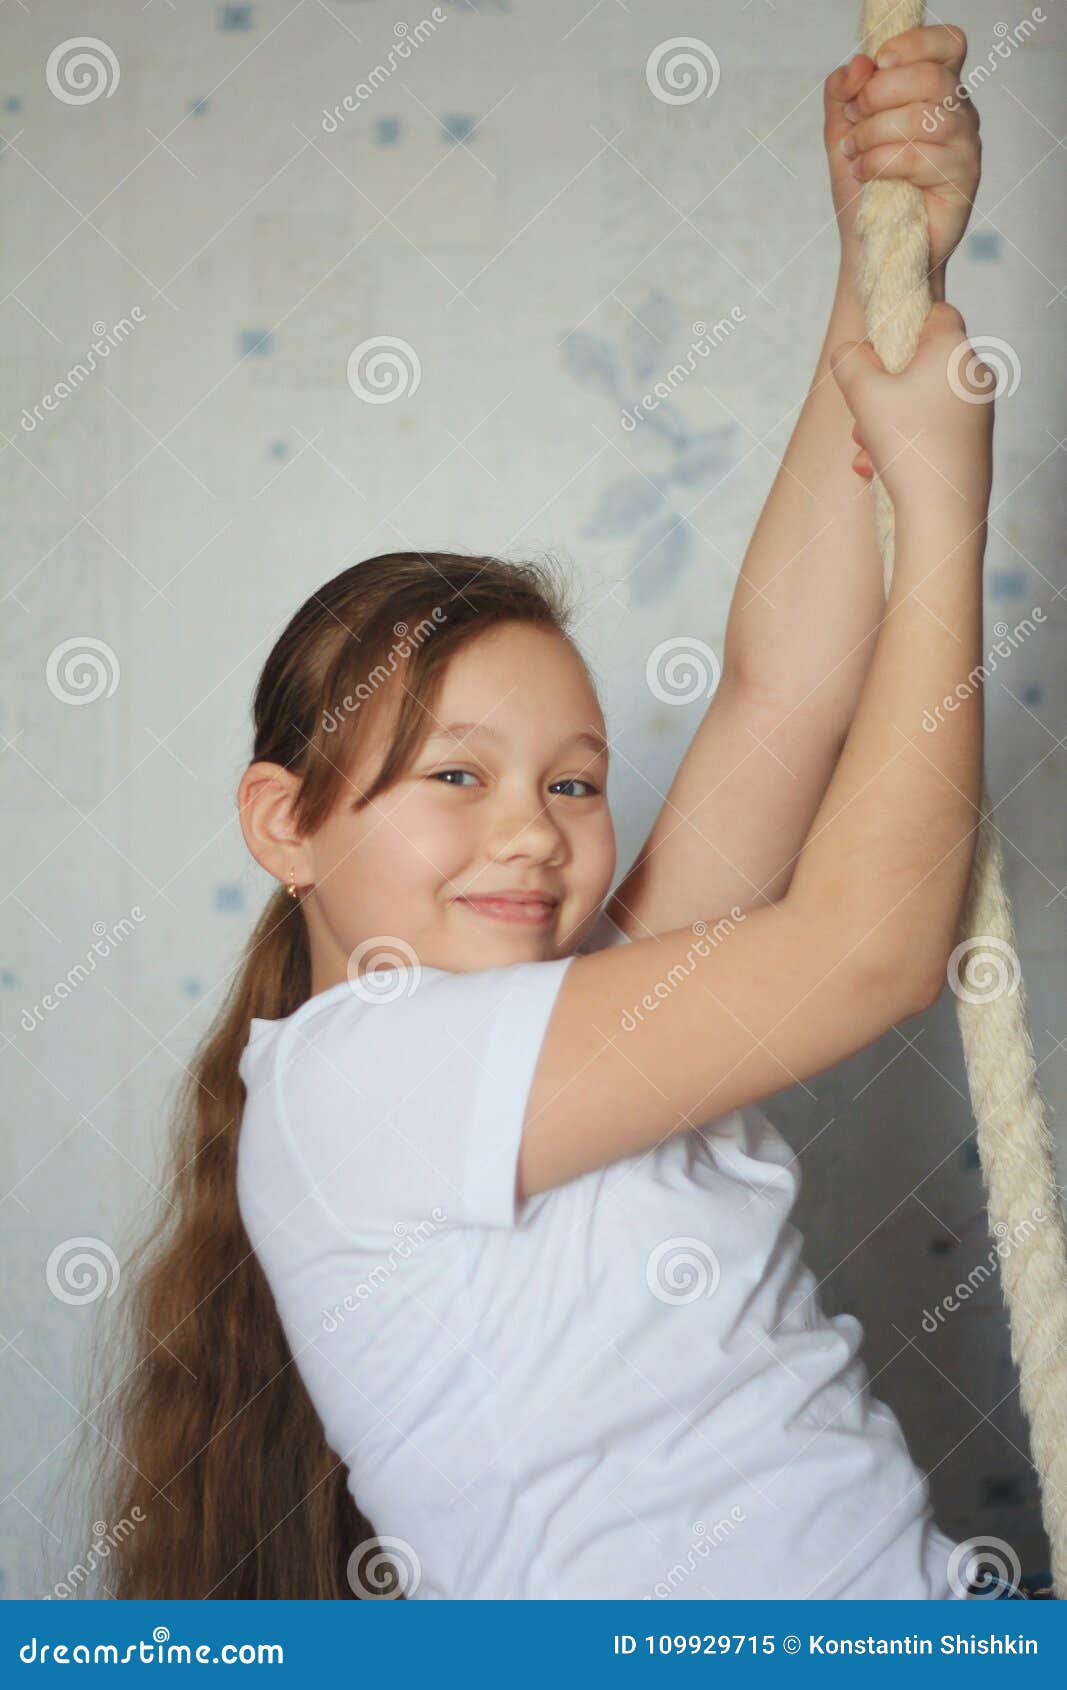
412,1109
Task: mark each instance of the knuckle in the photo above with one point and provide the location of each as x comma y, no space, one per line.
937,80
945,320
870,133
946,82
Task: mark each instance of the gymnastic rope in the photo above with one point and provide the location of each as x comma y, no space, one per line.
1014,1142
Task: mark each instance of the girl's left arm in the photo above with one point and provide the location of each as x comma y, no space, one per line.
809,598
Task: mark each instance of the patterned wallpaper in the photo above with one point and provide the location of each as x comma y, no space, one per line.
213,216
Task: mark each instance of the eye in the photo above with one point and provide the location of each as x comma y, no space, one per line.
591,791
439,774
572,780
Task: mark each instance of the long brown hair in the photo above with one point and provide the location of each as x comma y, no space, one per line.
213,1470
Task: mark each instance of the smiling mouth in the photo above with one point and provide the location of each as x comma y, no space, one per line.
521,912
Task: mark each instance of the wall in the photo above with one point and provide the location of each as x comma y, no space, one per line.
512,202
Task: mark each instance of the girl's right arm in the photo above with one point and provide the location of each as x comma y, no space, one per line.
660,1034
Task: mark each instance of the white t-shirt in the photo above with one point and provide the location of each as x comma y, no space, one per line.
625,1387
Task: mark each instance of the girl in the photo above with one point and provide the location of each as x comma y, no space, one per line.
482,1270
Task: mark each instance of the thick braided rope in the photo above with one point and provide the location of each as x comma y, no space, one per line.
1014,1142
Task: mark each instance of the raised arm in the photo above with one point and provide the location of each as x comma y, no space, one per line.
809,596
808,599
652,1037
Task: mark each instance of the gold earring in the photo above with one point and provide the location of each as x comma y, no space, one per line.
291,888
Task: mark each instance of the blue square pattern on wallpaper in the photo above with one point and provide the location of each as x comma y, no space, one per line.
985,246
234,18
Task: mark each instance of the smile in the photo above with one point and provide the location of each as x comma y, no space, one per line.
522,913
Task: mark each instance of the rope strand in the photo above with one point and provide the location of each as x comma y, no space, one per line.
1014,1141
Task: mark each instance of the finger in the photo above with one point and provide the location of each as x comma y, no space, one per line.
945,43
943,318
915,122
854,354
943,326
887,88
910,161
839,89
845,82
862,465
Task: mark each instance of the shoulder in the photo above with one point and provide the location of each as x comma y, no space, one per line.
404,1035
409,1091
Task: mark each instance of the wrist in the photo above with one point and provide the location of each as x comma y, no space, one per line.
941,525
850,264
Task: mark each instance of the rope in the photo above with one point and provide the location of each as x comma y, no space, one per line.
1014,1142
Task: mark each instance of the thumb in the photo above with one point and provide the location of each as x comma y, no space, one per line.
842,85
850,361
942,319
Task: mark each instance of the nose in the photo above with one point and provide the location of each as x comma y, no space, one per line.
523,826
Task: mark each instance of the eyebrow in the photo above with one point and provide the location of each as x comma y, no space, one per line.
457,730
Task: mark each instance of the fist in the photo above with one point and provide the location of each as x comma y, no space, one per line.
926,432
906,115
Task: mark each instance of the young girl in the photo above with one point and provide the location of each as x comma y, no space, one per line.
482,1282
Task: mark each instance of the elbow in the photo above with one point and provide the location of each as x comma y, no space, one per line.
928,990
912,985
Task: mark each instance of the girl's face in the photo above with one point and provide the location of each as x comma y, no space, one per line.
515,802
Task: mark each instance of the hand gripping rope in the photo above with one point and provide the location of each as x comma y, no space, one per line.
1014,1142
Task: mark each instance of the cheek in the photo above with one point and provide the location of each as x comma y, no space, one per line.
427,833
607,848
592,846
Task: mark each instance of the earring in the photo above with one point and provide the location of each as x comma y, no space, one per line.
291,888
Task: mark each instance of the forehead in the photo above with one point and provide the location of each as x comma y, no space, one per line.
518,684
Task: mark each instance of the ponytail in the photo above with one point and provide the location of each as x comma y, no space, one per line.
219,1459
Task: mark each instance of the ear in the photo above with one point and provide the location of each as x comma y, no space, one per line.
265,798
